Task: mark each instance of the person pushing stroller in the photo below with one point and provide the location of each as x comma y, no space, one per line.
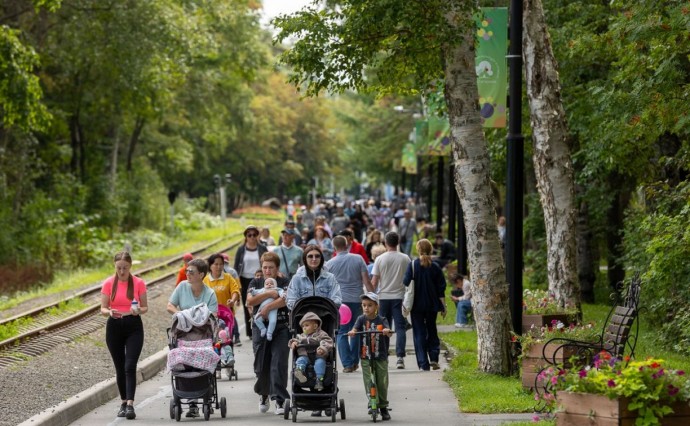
312,334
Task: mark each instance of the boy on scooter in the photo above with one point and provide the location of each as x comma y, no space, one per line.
374,353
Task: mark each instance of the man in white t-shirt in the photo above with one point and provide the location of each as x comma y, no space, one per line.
388,272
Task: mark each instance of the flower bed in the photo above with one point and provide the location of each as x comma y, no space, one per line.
540,309
647,391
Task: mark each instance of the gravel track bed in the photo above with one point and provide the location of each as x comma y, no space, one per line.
68,369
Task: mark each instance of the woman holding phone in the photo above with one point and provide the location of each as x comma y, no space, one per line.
124,331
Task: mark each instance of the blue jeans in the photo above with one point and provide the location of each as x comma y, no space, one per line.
464,306
406,247
427,345
391,309
319,365
348,347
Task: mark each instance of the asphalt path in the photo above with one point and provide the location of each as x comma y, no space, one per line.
416,398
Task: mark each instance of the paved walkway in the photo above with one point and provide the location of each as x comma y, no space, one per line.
416,397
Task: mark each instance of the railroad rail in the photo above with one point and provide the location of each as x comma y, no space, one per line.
47,329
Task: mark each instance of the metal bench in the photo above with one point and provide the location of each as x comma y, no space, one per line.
619,336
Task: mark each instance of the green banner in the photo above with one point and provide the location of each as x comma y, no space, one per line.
491,67
439,137
409,159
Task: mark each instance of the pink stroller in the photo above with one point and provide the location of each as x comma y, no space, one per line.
224,344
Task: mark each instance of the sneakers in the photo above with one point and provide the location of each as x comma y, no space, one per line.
280,410
435,366
400,365
458,325
237,342
300,376
319,385
355,367
384,413
193,411
348,370
264,404
123,410
129,412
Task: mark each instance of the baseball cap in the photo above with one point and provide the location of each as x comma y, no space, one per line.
188,256
289,231
250,228
225,257
371,296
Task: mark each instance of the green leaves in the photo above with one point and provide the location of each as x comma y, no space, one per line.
20,92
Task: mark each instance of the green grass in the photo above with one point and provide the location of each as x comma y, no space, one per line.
65,281
479,392
11,329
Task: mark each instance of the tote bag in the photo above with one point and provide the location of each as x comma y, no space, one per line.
408,299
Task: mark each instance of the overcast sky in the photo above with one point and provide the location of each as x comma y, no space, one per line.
273,8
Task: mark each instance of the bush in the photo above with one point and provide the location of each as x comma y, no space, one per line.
657,244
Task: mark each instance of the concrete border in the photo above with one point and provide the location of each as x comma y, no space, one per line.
76,406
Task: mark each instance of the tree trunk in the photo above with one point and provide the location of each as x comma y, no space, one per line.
473,184
587,263
552,162
138,127
114,157
614,230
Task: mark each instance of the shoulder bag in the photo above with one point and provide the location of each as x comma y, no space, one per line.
408,299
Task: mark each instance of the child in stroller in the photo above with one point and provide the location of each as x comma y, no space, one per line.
318,389
224,343
192,363
312,336
269,284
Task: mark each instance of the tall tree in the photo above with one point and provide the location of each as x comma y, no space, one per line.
552,157
404,47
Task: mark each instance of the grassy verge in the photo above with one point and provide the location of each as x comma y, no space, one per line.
65,281
478,392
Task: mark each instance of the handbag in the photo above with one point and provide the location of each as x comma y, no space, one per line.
408,298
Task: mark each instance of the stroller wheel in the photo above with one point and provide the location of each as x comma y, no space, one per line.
207,411
172,408
223,407
342,409
178,412
234,374
286,409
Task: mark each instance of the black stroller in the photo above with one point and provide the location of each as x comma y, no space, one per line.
191,383
304,398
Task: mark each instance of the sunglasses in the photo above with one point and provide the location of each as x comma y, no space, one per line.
313,256
190,271
252,235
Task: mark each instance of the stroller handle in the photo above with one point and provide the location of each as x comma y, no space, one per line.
372,332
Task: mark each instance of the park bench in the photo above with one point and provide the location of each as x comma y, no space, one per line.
618,337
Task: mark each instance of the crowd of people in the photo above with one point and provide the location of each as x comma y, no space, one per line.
358,256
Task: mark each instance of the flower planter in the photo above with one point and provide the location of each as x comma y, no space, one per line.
533,362
598,410
541,320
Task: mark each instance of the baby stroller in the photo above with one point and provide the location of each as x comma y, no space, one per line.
192,362
224,346
304,398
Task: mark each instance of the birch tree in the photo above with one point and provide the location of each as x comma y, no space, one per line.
552,156
389,46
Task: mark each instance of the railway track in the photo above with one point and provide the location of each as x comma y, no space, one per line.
46,327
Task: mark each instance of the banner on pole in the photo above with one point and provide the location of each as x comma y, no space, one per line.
409,158
490,65
439,136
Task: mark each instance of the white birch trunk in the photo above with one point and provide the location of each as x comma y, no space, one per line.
473,184
552,159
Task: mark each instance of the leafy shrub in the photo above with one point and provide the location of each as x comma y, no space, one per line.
657,243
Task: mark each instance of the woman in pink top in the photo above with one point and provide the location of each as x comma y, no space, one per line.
124,331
